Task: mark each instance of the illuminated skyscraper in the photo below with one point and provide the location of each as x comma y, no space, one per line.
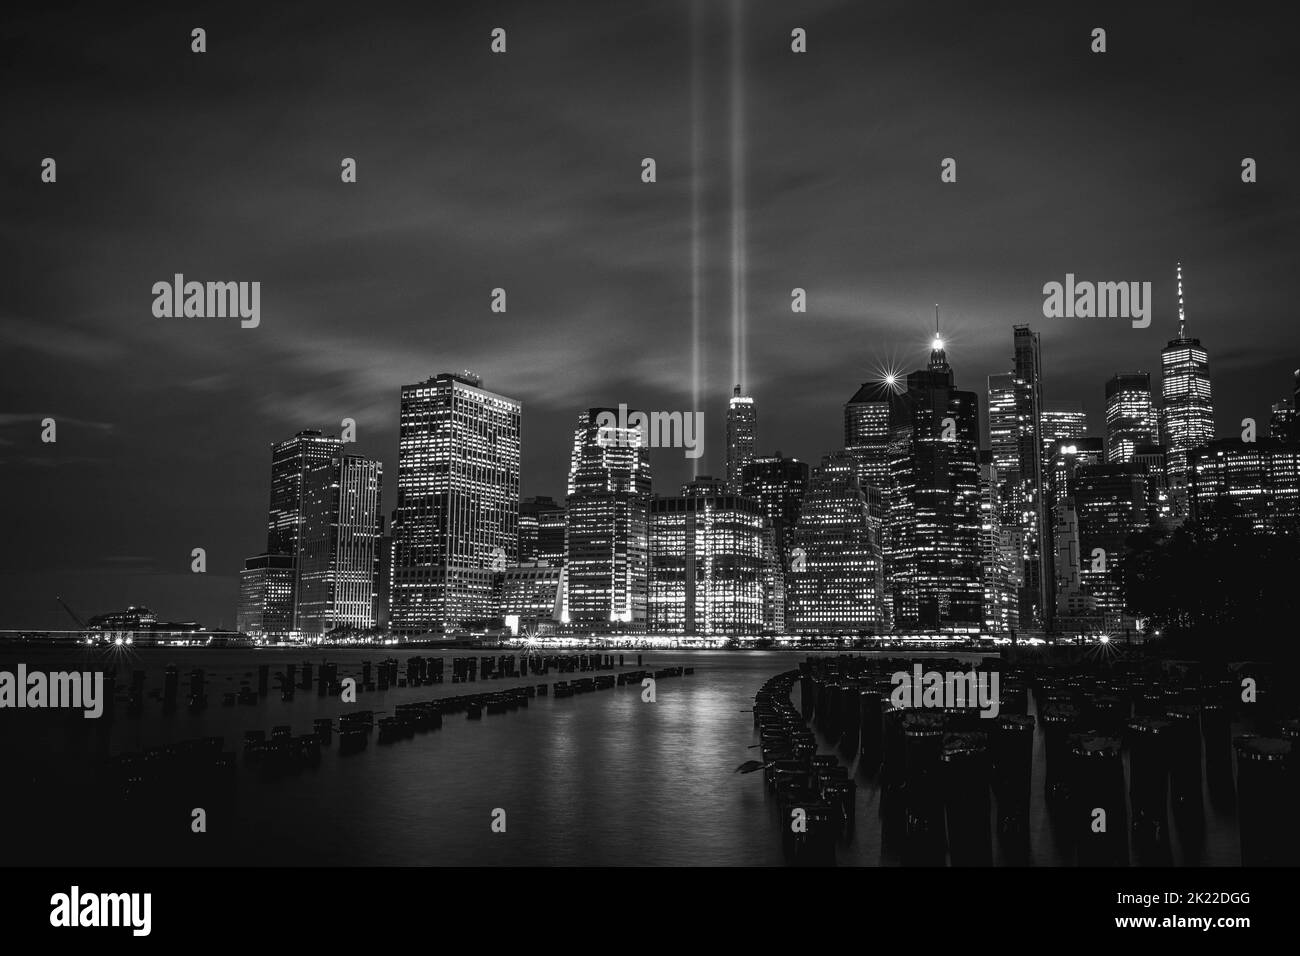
706,563
337,556
999,559
1016,442
606,568
933,535
266,596
1130,416
866,430
1062,426
1188,414
835,579
1067,459
290,462
742,427
457,520
778,485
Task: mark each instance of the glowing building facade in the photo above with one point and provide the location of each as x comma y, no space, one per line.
778,485
1258,482
835,581
1130,416
935,567
707,563
1188,413
605,582
338,554
1111,502
742,430
457,518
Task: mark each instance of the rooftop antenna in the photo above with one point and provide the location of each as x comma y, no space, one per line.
1182,318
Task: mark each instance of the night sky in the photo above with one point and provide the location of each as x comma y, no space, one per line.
523,171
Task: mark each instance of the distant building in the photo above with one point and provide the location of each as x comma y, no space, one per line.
706,562
541,531
457,521
1258,481
998,561
866,431
835,581
290,461
1188,413
605,583
528,596
1130,416
266,596
742,429
1112,502
337,555
778,484
1065,461
935,558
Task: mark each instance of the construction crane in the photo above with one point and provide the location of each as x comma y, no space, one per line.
71,613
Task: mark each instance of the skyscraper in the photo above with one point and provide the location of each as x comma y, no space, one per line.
1062,425
835,582
1188,414
866,431
1130,416
290,461
541,530
935,558
457,502
1000,559
1111,502
706,562
778,484
742,428
337,556
266,596
606,567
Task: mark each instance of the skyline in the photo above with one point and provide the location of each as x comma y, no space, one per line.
388,280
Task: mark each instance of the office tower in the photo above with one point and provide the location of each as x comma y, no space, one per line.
998,561
266,596
774,599
1256,482
866,430
457,503
528,596
1063,424
835,579
935,572
1066,460
1130,416
778,485
337,556
1281,421
606,565
290,462
1075,607
1005,401
1034,504
706,562
1155,459
742,428
1111,502
1188,413
541,530
384,576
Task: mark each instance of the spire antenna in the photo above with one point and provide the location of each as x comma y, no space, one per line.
1182,317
